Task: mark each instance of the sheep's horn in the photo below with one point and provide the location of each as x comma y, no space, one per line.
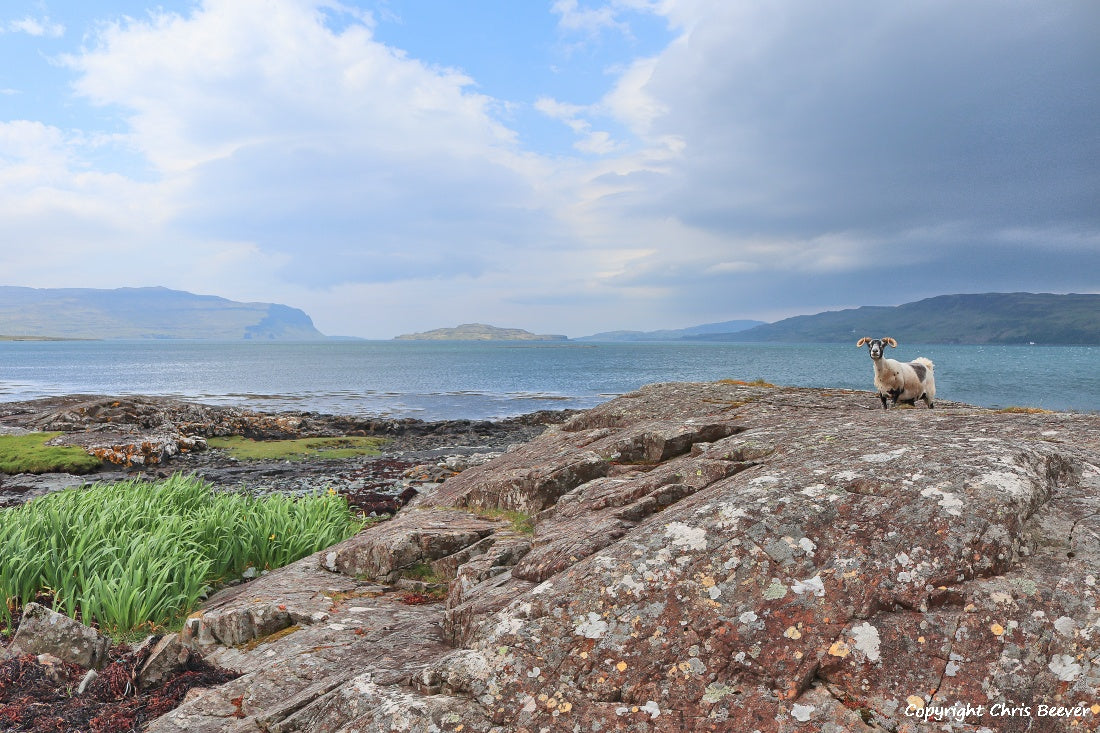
862,341
888,340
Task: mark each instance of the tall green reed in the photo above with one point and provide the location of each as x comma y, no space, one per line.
127,554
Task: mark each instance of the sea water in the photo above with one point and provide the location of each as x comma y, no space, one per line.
486,380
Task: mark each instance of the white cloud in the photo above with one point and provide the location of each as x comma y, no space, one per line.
40,27
595,142
573,17
773,154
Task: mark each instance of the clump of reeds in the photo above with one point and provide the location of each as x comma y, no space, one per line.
136,553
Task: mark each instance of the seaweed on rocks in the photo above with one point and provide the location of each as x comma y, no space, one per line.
42,695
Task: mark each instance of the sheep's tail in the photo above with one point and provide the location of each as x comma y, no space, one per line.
926,362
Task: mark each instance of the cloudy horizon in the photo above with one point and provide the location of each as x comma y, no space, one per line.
563,167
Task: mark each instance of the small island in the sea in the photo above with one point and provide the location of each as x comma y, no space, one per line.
478,332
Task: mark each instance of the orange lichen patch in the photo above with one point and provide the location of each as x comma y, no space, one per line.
997,629
146,453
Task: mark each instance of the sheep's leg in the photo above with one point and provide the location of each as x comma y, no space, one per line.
927,400
883,398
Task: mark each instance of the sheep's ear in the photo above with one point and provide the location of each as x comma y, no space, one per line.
892,342
862,341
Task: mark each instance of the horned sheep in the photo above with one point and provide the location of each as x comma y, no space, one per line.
904,382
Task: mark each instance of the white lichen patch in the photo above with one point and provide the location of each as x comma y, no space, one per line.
764,481
815,490
1065,667
628,582
747,617
866,639
1065,626
951,503
729,515
1011,483
812,585
590,627
685,536
846,476
884,457
808,546
801,712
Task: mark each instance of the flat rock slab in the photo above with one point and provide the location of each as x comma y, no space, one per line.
310,673
300,593
414,537
710,557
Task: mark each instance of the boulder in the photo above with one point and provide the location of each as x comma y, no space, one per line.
43,631
712,557
164,656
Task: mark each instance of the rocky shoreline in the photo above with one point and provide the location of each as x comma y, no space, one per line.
154,436
695,557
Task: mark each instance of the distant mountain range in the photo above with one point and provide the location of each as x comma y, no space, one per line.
144,313
678,334
478,332
160,313
989,318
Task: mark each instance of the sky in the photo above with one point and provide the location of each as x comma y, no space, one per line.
563,166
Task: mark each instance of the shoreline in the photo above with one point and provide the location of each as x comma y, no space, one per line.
153,437
688,549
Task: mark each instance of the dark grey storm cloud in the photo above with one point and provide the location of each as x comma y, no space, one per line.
885,116
861,152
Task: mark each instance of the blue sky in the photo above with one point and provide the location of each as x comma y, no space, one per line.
568,166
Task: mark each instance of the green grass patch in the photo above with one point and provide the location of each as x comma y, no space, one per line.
29,454
423,572
300,449
134,554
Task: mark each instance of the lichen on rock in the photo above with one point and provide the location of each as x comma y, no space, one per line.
765,559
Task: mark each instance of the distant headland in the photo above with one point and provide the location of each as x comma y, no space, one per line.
43,314
478,332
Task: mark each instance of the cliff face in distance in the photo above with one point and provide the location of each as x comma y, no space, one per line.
145,313
704,557
478,332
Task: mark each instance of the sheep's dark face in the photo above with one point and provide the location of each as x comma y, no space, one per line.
877,347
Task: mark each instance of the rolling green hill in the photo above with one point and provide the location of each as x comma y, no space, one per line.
144,313
989,318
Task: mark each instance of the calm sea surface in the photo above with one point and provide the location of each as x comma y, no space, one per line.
440,380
